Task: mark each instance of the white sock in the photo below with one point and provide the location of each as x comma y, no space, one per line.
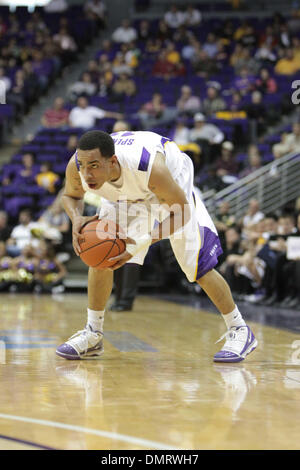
234,318
96,319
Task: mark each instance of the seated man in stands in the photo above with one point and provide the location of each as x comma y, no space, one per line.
289,143
124,33
21,234
156,112
213,101
206,135
85,116
57,116
226,165
188,103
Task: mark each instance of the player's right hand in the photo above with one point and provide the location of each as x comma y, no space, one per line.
78,222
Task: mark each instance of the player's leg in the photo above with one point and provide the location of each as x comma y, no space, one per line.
88,343
197,252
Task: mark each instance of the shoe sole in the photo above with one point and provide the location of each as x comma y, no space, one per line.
250,348
91,355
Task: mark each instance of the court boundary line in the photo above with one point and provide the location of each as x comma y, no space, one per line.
22,441
106,434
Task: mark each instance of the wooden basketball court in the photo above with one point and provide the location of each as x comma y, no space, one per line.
156,386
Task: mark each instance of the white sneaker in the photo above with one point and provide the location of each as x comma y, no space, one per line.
240,341
85,344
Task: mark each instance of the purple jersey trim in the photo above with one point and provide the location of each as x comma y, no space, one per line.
144,161
76,161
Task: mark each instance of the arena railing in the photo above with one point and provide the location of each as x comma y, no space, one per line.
273,185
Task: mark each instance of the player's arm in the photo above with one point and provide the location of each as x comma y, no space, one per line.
72,201
171,196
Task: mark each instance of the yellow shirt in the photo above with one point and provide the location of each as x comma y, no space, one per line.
47,180
287,67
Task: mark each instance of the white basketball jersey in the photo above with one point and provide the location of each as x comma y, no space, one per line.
136,152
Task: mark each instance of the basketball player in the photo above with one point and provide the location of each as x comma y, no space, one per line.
156,178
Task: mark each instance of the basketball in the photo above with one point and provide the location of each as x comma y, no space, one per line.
100,243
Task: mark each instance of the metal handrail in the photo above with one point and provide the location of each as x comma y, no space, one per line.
273,186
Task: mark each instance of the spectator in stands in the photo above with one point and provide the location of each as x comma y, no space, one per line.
172,55
248,61
249,38
231,244
144,32
85,116
253,214
265,55
284,36
124,33
253,161
188,103
50,272
277,274
205,131
163,31
57,116
207,136
244,82
155,112
56,6
294,22
289,64
213,101
120,65
236,102
296,47
72,145
237,55
16,96
192,16
21,234
5,79
265,83
290,142
131,54
24,174
203,66
84,87
56,223
180,134
122,88
93,68
174,17
67,45
226,165
46,178
3,27
210,46
164,69
189,49
5,229
223,219
257,115
96,10
121,126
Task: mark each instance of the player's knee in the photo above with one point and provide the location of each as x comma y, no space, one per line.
207,278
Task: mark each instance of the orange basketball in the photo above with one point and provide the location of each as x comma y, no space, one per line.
100,243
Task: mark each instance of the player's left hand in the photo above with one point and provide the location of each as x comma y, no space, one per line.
119,260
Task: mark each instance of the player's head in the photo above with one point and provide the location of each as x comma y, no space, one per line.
96,158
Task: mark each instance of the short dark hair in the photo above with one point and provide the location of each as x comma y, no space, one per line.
97,140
